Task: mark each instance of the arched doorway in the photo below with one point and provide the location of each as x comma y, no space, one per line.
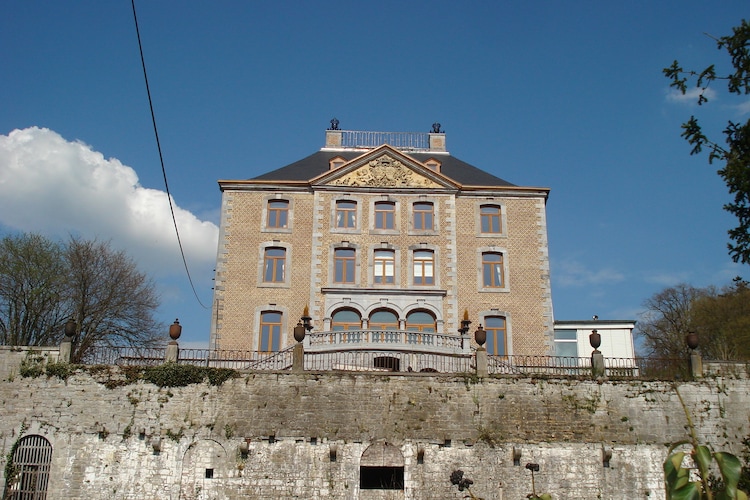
381,467
31,459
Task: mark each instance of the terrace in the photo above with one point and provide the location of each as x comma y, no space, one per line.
402,352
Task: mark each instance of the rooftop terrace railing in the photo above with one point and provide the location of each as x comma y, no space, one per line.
415,141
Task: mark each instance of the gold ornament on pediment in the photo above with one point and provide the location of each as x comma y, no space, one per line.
384,171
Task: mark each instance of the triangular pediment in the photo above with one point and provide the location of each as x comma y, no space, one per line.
385,167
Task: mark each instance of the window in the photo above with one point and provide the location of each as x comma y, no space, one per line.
385,215
274,264
336,162
492,270
344,265
278,214
433,164
384,263
346,214
270,331
566,343
495,327
420,321
424,263
490,219
424,216
346,319
383,320
31,459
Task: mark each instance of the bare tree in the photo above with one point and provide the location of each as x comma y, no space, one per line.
667,320
722,321
44,283
721,318
32,280
110,300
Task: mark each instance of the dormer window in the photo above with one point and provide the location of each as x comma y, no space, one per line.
336,162
433,164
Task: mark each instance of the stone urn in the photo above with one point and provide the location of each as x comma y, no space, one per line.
480,336
595,339
175,330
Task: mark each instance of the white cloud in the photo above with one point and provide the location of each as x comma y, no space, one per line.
744,108
667,279
573,273
55,187
691,96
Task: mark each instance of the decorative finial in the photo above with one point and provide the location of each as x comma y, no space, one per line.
436,128
334,124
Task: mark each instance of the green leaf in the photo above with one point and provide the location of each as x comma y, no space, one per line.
690,491
702,457
677,479
730,468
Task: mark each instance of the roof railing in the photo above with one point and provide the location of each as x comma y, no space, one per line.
365,139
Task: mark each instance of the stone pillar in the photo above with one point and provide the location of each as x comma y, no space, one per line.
66,347
173,352
597,364
696,364
298,357
333,138
437,141
481,362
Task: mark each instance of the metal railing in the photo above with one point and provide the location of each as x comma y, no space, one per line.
414,141
648,368
393,354
388,361
213,358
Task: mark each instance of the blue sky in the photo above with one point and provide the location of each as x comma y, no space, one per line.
566,95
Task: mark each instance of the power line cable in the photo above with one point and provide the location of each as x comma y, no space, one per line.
161,158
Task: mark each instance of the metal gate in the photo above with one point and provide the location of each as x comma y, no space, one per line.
31,461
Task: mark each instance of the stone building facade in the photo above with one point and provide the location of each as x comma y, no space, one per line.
387,232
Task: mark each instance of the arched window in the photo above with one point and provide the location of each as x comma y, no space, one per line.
270,331
424,214
278,214
346,214
420,321
274,265
424,267
490,218
385,215
496,327
346,319
31,460
383,319
492,270
344,264
383,266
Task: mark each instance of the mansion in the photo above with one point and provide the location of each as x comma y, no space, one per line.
379,238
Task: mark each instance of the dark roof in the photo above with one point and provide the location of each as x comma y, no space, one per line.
318,163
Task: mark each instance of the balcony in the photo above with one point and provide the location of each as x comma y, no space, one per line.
387,340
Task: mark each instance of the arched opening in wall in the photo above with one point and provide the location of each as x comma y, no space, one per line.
387,362
417,323
31,459
203,467
381,467
383,319
347,320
